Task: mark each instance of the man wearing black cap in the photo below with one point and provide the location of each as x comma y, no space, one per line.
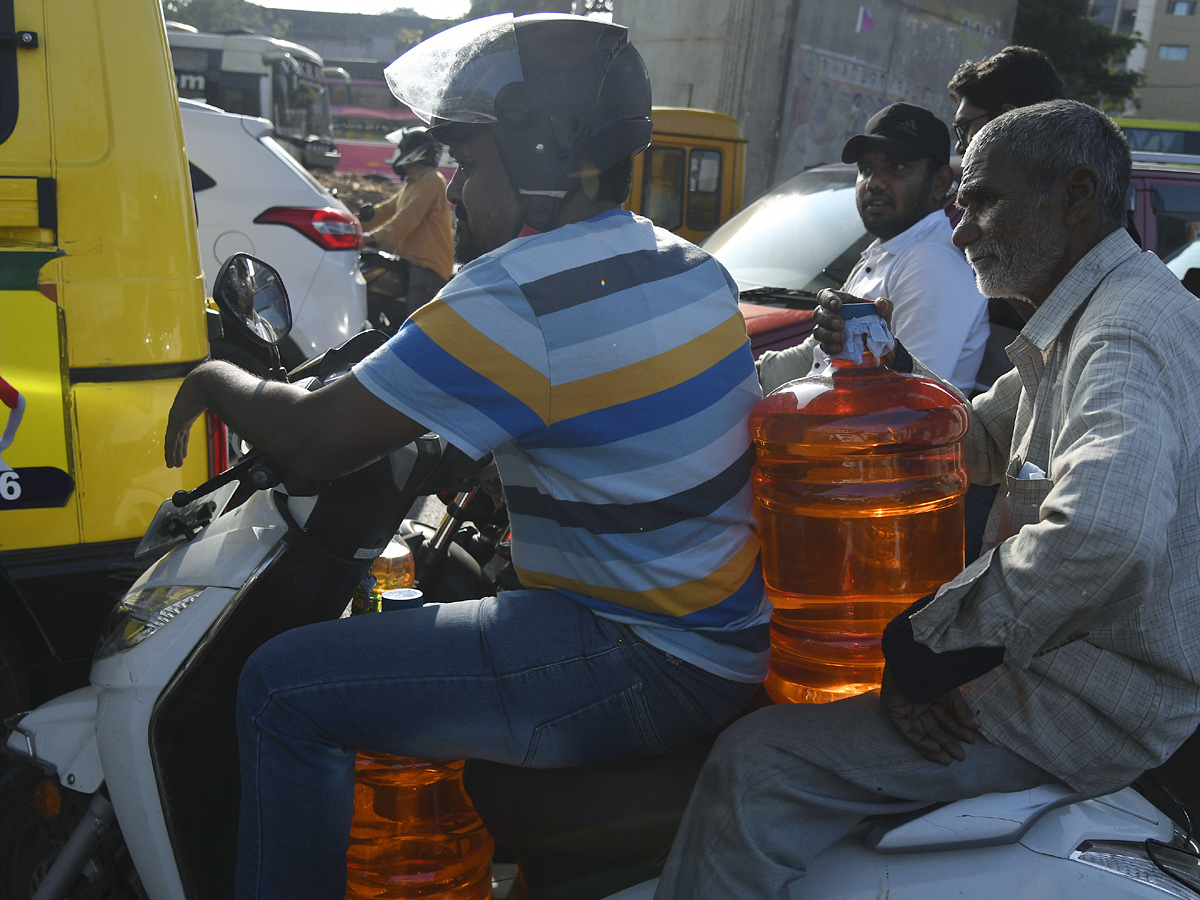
904,175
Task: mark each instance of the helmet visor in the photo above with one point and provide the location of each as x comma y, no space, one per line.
455,75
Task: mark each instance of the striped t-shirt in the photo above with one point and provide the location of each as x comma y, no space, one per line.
607,367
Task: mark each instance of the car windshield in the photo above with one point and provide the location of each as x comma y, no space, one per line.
803,235
1185,259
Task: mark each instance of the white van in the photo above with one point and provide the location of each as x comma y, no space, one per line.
252,196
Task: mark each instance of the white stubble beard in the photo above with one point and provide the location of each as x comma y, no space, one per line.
1023,265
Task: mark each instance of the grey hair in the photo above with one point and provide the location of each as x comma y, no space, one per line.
1048,140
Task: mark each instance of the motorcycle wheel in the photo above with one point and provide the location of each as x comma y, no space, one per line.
31,844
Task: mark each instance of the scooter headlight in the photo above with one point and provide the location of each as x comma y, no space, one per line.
140,614
1173,870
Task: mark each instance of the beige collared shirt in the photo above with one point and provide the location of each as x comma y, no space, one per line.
1092,585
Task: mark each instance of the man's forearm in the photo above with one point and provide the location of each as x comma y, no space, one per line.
320,434
263,412
777,367
922,675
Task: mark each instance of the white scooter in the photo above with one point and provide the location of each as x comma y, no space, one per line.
127,788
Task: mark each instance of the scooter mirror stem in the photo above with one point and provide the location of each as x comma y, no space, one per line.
277,372
261,471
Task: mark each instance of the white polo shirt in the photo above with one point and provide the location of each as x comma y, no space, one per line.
940,316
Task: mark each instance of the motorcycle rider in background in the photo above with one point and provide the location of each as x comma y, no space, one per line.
415,225
604,362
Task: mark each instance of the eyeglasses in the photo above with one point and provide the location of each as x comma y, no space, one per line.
960,128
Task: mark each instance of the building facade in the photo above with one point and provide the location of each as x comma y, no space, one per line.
1169,57
802,76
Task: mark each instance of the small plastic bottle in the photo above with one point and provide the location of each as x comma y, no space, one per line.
415,833
859,485
393,568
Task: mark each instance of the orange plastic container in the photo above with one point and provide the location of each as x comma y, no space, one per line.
415,833
859,485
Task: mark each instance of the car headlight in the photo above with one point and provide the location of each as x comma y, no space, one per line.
140,614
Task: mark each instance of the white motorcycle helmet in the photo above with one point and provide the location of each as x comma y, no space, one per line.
564,97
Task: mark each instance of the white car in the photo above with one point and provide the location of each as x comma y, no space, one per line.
252,196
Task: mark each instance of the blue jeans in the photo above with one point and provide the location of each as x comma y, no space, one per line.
529,679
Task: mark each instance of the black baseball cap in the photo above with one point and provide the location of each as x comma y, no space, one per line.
904,132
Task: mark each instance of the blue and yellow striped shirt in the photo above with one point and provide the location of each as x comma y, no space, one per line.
607,367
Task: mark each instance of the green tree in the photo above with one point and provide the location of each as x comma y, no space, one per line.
1088,55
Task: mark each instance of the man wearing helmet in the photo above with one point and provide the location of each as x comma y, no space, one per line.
604,364
416,222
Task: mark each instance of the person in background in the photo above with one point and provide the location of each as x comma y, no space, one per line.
1069,652
904,178
1016,76
416,222
985,88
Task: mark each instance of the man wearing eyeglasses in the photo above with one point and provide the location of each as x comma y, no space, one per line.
904,176
984,88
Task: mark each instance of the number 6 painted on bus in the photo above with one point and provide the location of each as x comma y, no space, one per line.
10,485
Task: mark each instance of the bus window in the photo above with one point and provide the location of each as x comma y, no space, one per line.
662,186
360,125
300,99
1163,141
368,94
192,67
704,190
1154,136
239,93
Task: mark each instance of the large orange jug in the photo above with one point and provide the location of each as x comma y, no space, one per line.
859,484
415,833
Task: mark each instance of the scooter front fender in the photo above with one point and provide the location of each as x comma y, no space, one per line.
61,733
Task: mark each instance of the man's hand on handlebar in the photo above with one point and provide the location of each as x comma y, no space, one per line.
828,325
186,409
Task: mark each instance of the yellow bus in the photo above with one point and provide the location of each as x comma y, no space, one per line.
692,176
102,314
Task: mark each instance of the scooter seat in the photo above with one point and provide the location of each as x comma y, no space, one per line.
588,831
983,821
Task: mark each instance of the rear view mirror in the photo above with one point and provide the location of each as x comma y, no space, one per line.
251,294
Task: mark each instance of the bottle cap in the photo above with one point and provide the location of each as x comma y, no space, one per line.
400,598
865,330
856,310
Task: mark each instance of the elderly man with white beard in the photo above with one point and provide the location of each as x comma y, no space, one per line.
1069,652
